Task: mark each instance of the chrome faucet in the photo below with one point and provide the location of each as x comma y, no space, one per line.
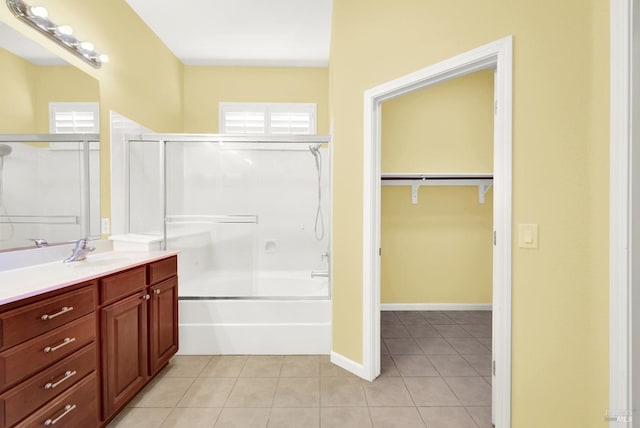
79,251
40,242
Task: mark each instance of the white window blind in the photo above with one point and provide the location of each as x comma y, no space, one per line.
73,118
268,118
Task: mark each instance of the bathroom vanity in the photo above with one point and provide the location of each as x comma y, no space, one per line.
79,340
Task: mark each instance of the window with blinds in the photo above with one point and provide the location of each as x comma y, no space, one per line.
74,118
268,118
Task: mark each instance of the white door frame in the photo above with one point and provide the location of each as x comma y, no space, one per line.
624,55
497,56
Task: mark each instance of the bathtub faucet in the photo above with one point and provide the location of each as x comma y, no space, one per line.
79,251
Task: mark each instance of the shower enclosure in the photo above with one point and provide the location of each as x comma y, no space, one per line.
250,215
49,188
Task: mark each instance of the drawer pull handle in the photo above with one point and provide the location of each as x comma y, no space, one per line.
146,297
65,342
156,291
67,409
68,374
64,310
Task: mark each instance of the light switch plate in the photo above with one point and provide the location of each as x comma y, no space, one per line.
528,236
105,226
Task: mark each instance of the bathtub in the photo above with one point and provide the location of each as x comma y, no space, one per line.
288,313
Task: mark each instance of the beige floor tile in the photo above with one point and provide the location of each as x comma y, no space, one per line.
482,416
423,331
451,331
437,318
446,417
477,330
471,391
393,330
300,366
225,366
402,346
414,365
207,392
192,418
341,391
140,418
297,392
388,367
252,392
387,392
186,365
262,366
294,418
435,346
430,391
243,418
395,417
163,392
345,417
452,365
481,363
468,346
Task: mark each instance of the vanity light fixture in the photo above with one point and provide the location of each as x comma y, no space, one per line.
37,17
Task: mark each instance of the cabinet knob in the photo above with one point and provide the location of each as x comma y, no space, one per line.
146,297
156,291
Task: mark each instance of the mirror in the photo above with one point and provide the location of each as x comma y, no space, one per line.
49,187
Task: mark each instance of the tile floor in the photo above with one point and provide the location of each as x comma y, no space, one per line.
436,369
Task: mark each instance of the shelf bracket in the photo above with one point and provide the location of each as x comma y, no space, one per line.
482,191
415,185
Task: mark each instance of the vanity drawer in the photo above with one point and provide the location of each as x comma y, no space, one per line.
122,284
19,325
26,397
163,269
77,408
29,357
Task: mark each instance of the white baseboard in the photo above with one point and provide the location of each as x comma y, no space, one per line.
436,306
348,364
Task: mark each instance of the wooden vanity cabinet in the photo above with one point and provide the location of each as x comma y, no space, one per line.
138,329
48,359
76,356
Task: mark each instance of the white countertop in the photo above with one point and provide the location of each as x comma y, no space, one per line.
29,281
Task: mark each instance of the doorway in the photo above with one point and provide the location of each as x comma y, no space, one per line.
493,56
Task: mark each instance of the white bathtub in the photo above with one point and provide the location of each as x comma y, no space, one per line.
279,313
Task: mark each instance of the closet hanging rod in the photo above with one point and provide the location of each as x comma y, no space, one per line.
484,181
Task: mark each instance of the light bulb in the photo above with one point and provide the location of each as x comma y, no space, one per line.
104,58
39,11
65,29
87,46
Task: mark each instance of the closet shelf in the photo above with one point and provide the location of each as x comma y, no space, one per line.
484,181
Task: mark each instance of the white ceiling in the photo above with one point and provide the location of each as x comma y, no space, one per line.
241,32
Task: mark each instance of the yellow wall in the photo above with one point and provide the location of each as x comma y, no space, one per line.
28,89
438,251
560,181
205,87
17,109
61,84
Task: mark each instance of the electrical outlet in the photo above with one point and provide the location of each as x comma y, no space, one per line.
105,226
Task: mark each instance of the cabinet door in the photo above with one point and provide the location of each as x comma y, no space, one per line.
163,323
124,351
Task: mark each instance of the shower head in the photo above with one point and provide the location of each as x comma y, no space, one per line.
315,149
5,150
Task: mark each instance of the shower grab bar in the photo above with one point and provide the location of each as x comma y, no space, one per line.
212,219
319,274
39,219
